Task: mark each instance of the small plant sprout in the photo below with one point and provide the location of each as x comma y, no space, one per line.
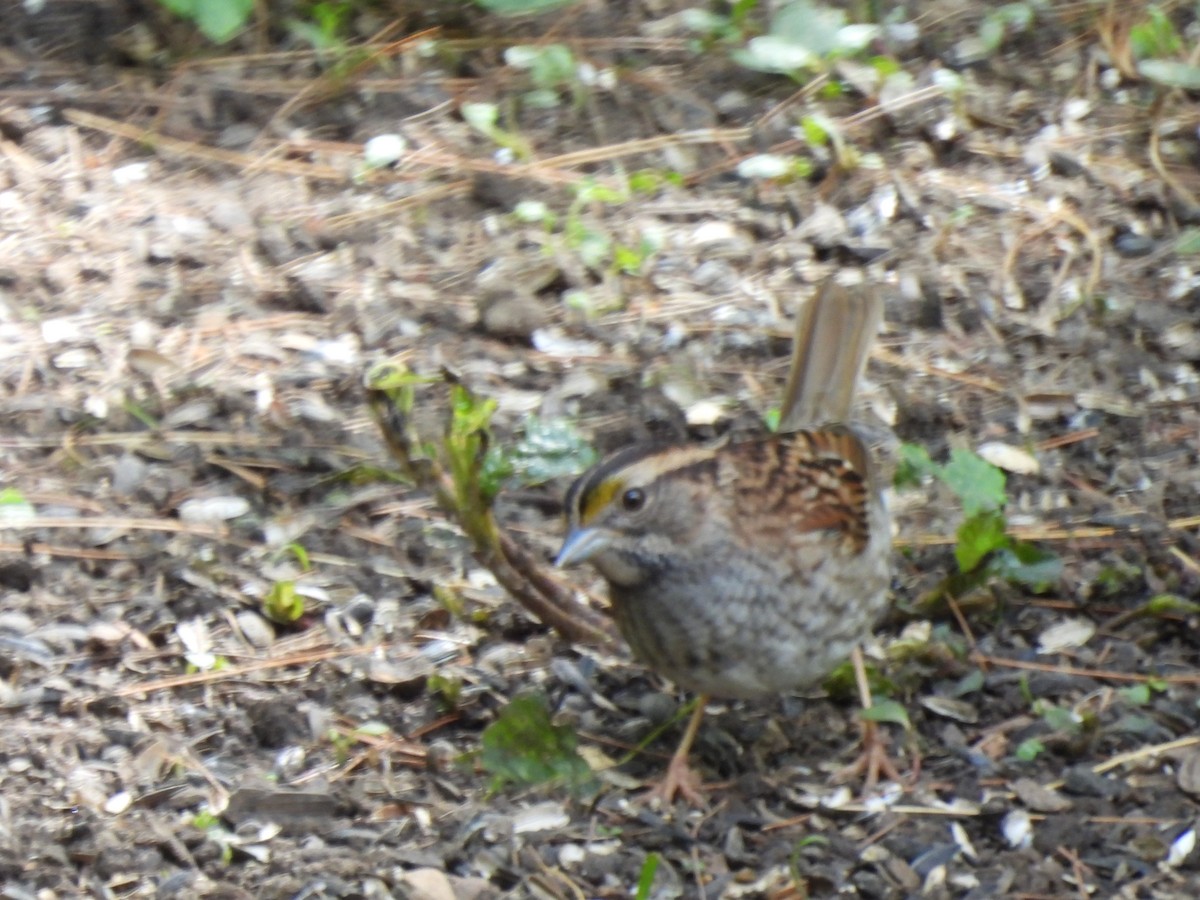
450,465
646,876
282,603
820,131
715,27
802,37
552,68
14,508
1156,46
484,118
521,7
1003,21
524,747
218,20
984,548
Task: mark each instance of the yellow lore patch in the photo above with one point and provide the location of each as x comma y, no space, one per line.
599,498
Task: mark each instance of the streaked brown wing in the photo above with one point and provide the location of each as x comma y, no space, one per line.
804,482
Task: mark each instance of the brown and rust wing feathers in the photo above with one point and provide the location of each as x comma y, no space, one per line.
802,483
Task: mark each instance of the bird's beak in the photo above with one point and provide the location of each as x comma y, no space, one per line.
581,545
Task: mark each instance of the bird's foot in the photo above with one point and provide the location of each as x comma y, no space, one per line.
872,762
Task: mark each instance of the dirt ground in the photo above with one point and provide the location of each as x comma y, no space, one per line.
197,269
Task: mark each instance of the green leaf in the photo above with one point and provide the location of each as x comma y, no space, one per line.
703,21
388,376
1028,565
977,537
1061,719
1187,242
887,67
593,248
1130,723
842,684
1171,604
970,683
888,711
648,182
282,604
646,876
219,20
774,54
1156,37
1136,694
741,9
1170,73
1030,749
554,67
978,484
1011,18
524,747
301,554
450,600
205,820
913,465
447,689
550,449
627,260
469,414
521,7
813,26
481,116
991,33
815,130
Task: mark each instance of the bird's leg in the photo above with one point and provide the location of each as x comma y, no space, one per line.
874,759
679,778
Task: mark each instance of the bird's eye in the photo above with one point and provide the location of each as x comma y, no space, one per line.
633,499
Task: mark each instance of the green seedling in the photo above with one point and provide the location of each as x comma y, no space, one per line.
342,742
446,690
984,548
1141,693
549,449
282,604
1029,749
552,68
717,27
452,467
521,7
14,508
523,747
218,20
1003,22
1067,727
646,876
796,862
841,684
597,249
485,118
1155,36
803,37
326,25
